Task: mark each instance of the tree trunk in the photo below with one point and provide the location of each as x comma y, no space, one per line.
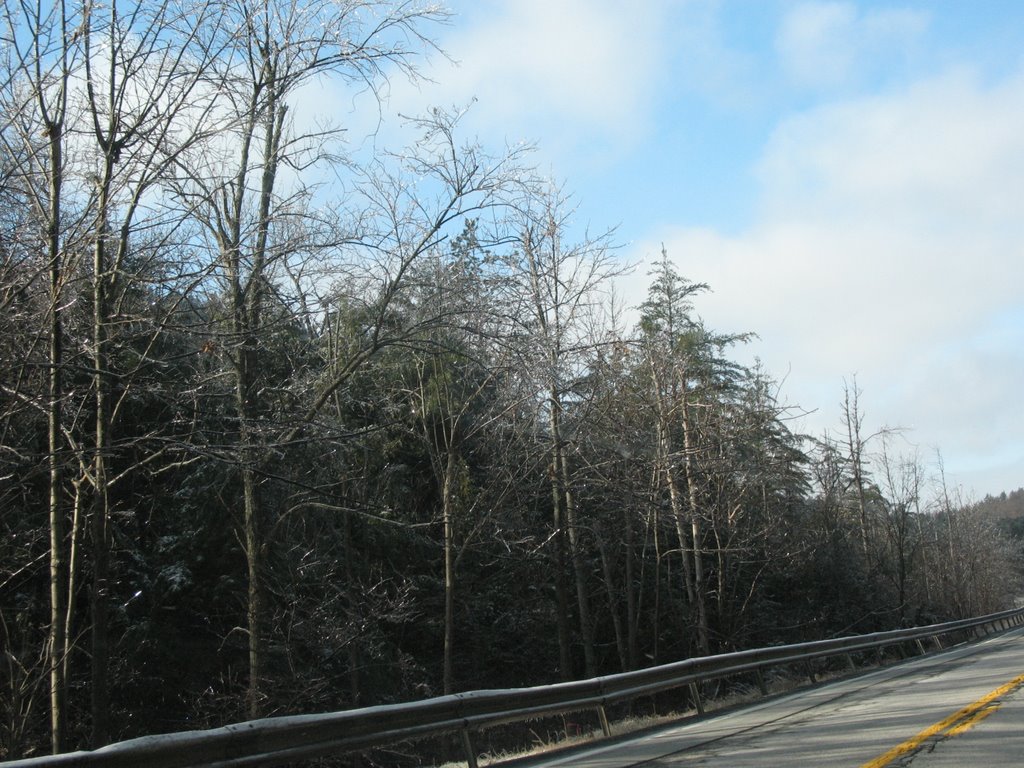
695,521
100,527
57,640
248,456
613,605
252,522
254,595
582,593
247,305
449,571
631,593
667,472
561,592
656,614
855,443
74,556
348,552
565,512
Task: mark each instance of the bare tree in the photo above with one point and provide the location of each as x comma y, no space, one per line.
463,399
42,56
375,290
560,286
147,100
902,489
270,50
856,444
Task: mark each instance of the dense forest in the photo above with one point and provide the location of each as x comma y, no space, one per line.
272,444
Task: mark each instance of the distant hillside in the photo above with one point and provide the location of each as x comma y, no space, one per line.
1007,510
1005,506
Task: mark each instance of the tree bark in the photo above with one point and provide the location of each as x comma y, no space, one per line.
558,565
579,571
58,638
632,607
613,606
100,527
565,511
449,571
695,521
687,547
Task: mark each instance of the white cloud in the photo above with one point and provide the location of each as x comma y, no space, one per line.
585,59
824,44
889,244
918,151
564,69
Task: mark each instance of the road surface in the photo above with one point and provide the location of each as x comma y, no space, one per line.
960,707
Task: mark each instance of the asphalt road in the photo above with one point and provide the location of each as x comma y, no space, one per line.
961,707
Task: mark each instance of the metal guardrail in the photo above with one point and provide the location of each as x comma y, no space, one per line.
272,741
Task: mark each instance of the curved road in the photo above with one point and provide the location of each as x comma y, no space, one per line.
960,707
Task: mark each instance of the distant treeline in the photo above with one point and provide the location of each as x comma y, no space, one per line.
1004,506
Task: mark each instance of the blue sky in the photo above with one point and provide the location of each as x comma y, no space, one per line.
847,176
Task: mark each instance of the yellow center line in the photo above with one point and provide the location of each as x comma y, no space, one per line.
956,723
973,720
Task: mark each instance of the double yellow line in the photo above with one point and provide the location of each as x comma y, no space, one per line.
956,723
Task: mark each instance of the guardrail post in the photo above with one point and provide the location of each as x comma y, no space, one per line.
760,681
467,746
849,662
810,672
920,646
938,642
695,693
606,729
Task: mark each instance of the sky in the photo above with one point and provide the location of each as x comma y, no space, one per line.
848,177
